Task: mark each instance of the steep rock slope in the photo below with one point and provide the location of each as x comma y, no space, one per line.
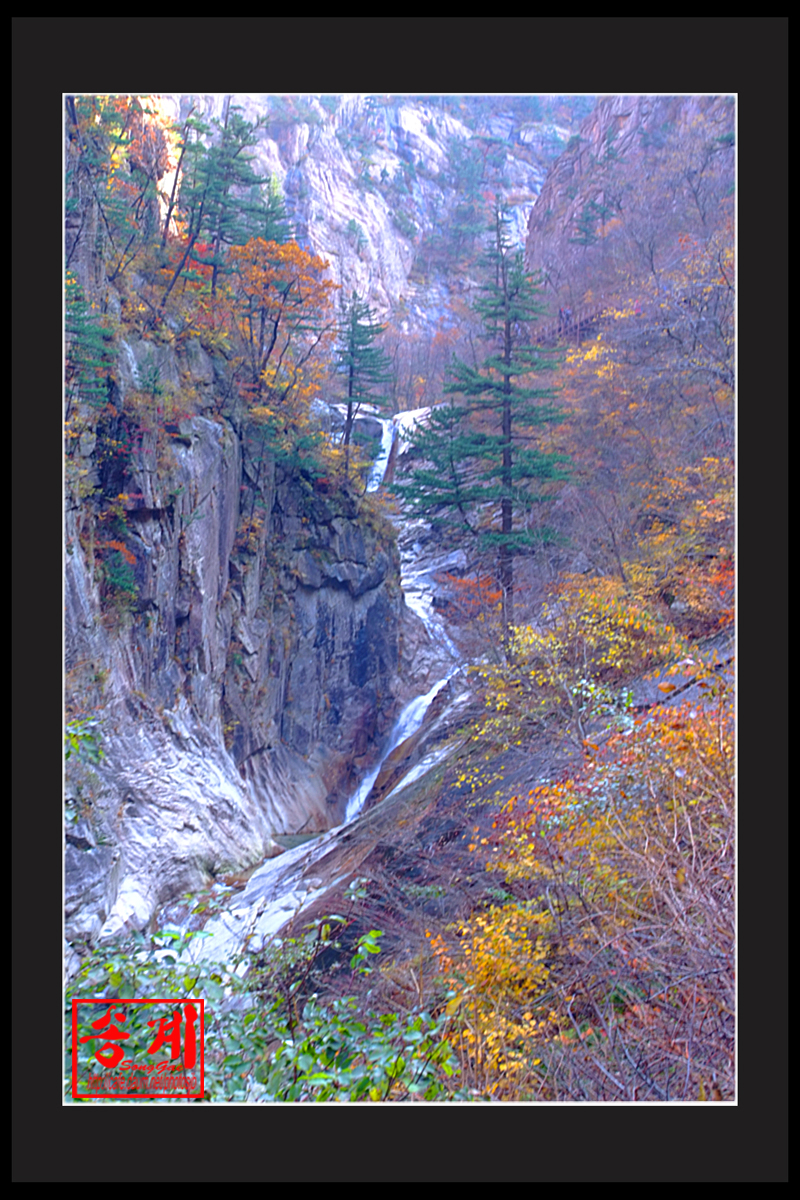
242,683
366,182
641,173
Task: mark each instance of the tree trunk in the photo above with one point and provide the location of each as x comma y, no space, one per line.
506,504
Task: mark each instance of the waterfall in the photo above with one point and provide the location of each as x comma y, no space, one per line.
417,590
378,469
284,886
407,724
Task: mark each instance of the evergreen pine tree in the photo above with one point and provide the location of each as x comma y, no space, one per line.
237,209
442,486
364,367
467,222
89,354
222,200
482,453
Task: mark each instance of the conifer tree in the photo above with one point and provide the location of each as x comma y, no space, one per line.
467,222
238,209
222,200
89,354
441,486
482,453
364,367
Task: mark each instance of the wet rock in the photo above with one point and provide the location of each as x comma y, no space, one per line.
229,705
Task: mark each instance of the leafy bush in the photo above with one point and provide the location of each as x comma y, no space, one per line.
82,738
89,356
263,1040
575,661
404,224
120,580
610,975
356,234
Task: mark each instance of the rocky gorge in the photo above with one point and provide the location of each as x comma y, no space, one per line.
242,699
258,648
399,595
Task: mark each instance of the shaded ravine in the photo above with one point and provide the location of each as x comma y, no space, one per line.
282,887
287,886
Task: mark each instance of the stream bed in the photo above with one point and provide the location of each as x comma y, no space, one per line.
259,904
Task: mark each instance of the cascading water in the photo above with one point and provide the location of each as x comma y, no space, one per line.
416,582
417,599
286,885
379,466
407,724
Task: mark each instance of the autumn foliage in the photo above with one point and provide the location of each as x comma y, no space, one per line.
571,667
282,307
611,974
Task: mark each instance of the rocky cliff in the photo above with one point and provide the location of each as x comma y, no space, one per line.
237,628
367,179
641,172
245,675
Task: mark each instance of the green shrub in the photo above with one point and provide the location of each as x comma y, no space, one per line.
356,234
120,580
404,224
268,1036
82,738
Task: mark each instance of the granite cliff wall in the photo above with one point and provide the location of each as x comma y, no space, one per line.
245,678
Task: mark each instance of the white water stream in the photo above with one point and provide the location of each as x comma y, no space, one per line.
378,469
417,592
407,723
281,888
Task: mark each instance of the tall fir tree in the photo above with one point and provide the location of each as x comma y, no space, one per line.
89,350
223,202
482,453
442,485
363,366
239,208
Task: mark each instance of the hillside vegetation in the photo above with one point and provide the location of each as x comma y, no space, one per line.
556,921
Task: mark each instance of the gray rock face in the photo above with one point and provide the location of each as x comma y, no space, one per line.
240,693
338,185
635,127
